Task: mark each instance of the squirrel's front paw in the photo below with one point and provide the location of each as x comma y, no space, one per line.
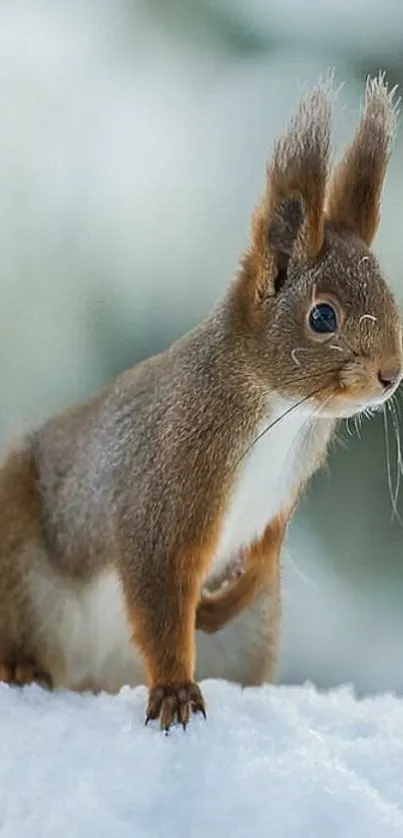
175,703
210,614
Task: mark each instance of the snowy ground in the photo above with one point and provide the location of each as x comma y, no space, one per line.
276,762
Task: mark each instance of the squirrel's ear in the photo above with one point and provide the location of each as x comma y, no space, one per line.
356,185
289,222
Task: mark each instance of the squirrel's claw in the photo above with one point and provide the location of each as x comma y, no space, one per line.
174,703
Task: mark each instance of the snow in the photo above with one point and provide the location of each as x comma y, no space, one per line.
284,762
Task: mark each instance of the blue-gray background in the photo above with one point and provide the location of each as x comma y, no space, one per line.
133,141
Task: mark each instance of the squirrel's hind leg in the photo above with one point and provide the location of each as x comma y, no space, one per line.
21,550
20,671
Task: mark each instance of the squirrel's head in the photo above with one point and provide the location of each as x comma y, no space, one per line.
309,287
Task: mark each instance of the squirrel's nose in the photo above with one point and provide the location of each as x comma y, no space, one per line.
389,375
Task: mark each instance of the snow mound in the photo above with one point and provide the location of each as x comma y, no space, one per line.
282,762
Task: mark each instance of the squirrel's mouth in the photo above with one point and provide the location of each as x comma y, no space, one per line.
345,405
364,386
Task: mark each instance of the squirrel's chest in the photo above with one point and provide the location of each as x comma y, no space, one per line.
274,467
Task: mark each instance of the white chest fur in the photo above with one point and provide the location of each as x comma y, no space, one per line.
275,464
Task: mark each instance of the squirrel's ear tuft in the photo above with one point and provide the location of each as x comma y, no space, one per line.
289,222
356,186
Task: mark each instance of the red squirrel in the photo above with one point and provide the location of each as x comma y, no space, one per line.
115,516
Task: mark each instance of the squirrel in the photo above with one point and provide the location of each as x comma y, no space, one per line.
117,516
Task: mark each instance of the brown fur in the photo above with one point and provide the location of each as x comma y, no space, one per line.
259,567
139,481
355,192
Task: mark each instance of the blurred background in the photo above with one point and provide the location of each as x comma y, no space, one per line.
133,143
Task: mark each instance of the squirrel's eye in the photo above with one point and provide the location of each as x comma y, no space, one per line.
323,319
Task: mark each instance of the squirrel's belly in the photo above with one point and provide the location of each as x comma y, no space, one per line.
272,470
87,633
86,636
